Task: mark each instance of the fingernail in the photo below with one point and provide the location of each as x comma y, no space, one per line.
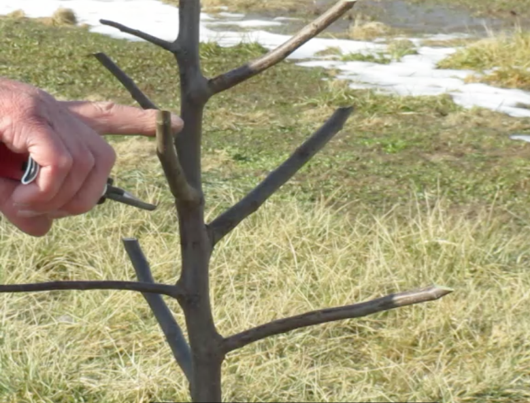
28,213
176,122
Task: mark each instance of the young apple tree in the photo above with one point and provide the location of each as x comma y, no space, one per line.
180,156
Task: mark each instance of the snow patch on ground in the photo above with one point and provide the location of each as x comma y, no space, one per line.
414,75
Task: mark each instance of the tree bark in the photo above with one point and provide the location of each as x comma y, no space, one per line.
196,245
205,341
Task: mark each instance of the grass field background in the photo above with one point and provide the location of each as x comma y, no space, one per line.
414,191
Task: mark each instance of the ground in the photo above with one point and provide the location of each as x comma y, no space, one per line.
505,9
413,191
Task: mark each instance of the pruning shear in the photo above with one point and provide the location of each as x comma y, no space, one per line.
21,167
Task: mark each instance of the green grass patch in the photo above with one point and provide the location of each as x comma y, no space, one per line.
331,51
501,59
413,191
400,48
379,57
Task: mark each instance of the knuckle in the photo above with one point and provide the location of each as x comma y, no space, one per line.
106,157
104,154
64,162
85,163
110,156
35,121
105,107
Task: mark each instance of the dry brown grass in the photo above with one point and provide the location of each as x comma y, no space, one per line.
368,30
502,59
105,346
294,255
17,14
64,16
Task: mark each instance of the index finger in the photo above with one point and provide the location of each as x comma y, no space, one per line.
111,118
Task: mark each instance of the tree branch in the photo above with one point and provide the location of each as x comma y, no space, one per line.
126,81
172,331
149,38
333,314
240,74
164,289
228,220
167,154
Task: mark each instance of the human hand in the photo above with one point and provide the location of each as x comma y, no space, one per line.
64,139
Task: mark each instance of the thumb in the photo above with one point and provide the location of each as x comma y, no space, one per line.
36,226
111,118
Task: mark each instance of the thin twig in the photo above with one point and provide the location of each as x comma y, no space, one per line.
228,220
333,314
172,331
169,290
149,38
167,154
126,81
240,74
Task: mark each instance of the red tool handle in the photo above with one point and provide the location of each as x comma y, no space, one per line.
19,167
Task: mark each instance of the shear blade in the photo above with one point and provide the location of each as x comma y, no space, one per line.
125,197
129,199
